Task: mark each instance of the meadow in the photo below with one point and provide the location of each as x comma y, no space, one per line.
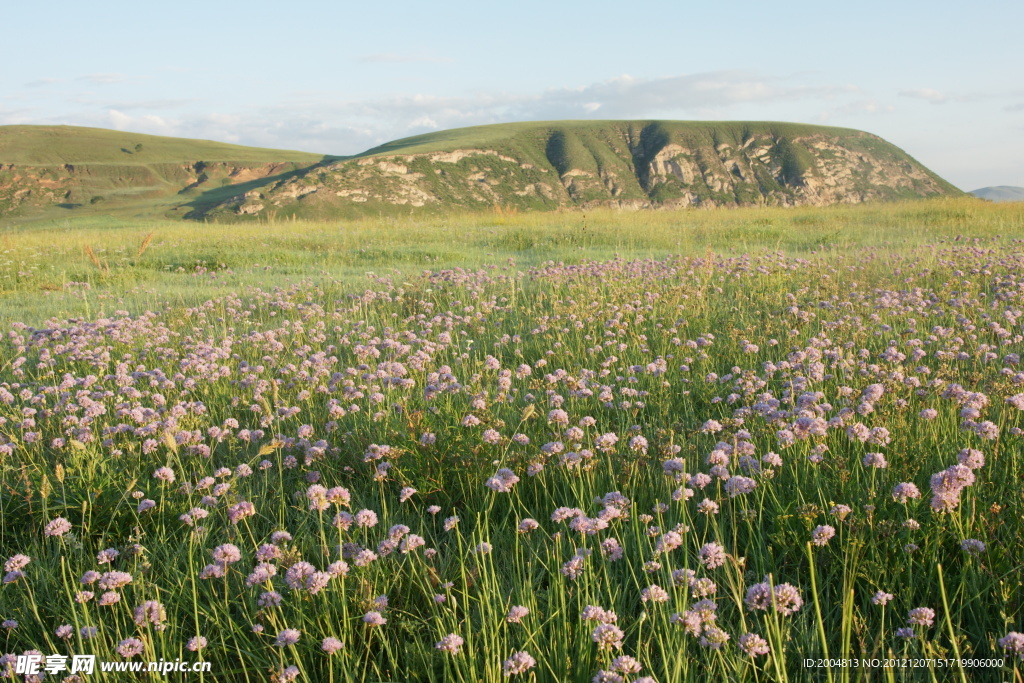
603,446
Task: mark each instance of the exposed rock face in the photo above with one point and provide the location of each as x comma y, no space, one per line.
622,164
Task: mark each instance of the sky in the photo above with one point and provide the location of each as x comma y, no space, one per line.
941,81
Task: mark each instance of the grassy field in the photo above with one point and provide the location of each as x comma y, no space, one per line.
658,446
94,266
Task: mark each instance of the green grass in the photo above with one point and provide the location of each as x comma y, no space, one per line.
186,262
700,132
59,145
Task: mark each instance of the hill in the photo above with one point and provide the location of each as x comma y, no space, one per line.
628,164
522,166
1000,193
71,168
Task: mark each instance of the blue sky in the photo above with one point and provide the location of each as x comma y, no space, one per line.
941,81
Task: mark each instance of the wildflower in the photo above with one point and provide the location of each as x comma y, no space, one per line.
573,569
374,619
608,637
288,636
519,662
881,598
366,518
711,427
611,550
971,458
1013,644
227,554
109,598
451,523
841,511
516,614
753,645
606,442
626,665
528,525
905,633
57,527
921,616
503,481
787,599
737,486
714,638
164,474
654,593
972,546
406,493
240,511
451,643
288,674
16,562
905,491
196,643
700,588
330,645
876,460
269,599
130,647
822,534
114,580
595,613
65,632
668,542
151,612
712,555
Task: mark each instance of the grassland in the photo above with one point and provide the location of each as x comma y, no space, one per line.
665,447
93,266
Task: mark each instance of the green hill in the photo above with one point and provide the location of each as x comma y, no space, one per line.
629,164
525,166
1000,193
67,168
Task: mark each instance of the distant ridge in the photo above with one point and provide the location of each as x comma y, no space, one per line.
523,166
62,169
1000,193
